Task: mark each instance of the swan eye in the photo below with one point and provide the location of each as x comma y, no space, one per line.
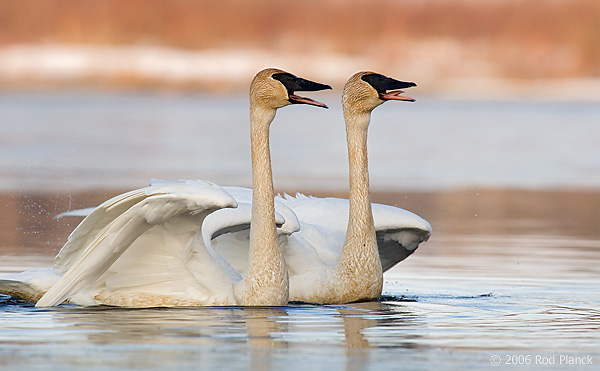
287,79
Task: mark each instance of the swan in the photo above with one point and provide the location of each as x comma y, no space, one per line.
343,246
357,272
144,248
318,259
325,263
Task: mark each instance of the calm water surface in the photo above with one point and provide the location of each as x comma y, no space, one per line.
509,276
89,140
521,285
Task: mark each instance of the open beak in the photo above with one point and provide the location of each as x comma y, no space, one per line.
387,87
296,99
396,95
301,84
294,83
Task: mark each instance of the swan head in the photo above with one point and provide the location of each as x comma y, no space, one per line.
366,90
275,88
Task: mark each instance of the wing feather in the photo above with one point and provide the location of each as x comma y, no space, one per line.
399,232
158,205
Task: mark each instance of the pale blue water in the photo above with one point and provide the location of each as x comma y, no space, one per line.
441,311
85,140
508,276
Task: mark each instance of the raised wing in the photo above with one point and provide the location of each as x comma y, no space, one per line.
399,232
96,220
115,225
227,231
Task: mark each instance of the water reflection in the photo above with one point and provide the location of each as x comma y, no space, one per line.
506,272
256,335
351,337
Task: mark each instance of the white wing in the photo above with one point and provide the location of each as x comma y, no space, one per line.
227,231
154,230
324,222
313,252
320,225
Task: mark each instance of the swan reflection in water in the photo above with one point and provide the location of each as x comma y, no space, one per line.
260,334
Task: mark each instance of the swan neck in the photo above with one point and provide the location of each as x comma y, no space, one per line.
266,281
263,207
360,215
359,269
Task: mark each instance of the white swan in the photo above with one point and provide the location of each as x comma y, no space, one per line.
314,254
343,245
144,248
356,273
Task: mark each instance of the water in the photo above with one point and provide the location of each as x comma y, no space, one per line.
85,140
510,275
513,274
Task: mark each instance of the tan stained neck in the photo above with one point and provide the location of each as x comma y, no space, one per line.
359,267
266,281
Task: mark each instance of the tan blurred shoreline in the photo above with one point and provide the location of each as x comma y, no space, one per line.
65,67
505,47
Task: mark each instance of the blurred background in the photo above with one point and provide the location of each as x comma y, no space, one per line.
500,153
100,96
463,46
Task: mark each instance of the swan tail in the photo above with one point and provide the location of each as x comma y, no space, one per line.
20,290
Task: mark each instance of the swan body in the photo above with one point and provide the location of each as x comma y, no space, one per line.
312,252
311,232
144,248
399,232
336,250
322,221
343,246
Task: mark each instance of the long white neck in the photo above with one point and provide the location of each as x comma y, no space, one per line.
266,282
360,267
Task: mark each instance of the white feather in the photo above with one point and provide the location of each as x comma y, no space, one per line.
141,247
